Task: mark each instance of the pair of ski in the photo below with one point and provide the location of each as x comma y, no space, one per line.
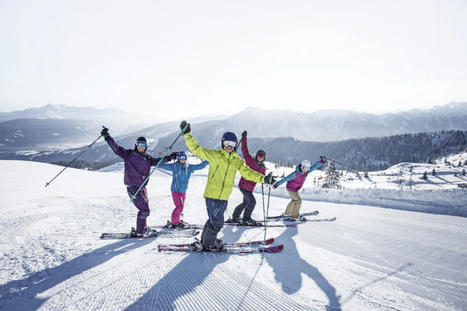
168,232
287,221
249,247
192,229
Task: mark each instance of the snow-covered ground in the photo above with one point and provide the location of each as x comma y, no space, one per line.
370,258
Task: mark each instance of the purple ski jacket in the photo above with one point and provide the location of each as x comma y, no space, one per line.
296,179
137,165
251,162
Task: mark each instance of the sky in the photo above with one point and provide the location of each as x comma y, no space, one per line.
174,59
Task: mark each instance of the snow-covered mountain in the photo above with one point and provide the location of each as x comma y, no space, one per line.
51,111
375,256
54,127
333,125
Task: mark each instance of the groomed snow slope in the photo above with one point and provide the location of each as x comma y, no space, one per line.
369,259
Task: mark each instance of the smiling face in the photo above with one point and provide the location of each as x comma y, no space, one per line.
229,146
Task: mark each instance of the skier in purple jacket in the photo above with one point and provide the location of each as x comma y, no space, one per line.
247,186
295,181
137,168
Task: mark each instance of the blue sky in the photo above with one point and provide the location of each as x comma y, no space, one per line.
182,58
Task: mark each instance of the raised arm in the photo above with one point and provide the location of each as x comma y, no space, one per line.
118,150
155,161
246,154
315,166
195,167
167,167
289,177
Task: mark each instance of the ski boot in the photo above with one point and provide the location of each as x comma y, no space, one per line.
250,222
217,246
196,246
148,233
287,217
233,220
302,218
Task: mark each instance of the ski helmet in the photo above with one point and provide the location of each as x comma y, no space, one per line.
305,164
181,155
260,153
229,136
141,141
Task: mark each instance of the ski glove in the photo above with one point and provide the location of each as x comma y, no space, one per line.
244,134
269,179
105,132
173,156
323,159
275,186
185,127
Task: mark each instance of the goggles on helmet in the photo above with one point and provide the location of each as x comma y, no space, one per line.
228,143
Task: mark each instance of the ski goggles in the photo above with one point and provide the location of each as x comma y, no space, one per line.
229,143
261,154
141,144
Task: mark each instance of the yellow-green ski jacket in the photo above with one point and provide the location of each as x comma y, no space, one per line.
222,169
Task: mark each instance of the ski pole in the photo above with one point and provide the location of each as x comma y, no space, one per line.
264,217
344,165
266,223
73,160
152,171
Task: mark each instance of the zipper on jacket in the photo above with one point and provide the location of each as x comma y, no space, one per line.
212,176
225,176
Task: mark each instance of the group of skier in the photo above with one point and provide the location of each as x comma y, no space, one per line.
223,165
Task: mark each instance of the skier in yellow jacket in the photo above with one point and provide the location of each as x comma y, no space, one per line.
223,165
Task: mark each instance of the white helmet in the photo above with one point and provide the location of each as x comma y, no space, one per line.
305,165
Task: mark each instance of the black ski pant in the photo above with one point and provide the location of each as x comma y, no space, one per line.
248,204
214,224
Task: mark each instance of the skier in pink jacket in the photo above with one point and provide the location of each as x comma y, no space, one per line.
295,181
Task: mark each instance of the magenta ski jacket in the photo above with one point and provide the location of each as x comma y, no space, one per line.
137,165
251,162
296,179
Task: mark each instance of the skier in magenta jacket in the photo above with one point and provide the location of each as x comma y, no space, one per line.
247,186
295,181
137,168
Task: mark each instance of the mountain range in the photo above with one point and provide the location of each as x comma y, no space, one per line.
289,136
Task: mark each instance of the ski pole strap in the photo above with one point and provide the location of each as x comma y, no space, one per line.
159,162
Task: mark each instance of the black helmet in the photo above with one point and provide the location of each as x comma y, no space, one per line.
229,136
141,141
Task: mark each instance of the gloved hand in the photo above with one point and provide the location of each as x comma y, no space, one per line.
185,127
275,186
269,179
173,156
323,159
244,134
105,132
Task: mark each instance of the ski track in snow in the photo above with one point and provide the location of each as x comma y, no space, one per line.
368,259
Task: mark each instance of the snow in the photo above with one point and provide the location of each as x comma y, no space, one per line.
370,258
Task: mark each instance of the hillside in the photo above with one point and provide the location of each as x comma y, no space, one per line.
370,258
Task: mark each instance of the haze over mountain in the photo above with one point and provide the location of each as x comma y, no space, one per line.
53,127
